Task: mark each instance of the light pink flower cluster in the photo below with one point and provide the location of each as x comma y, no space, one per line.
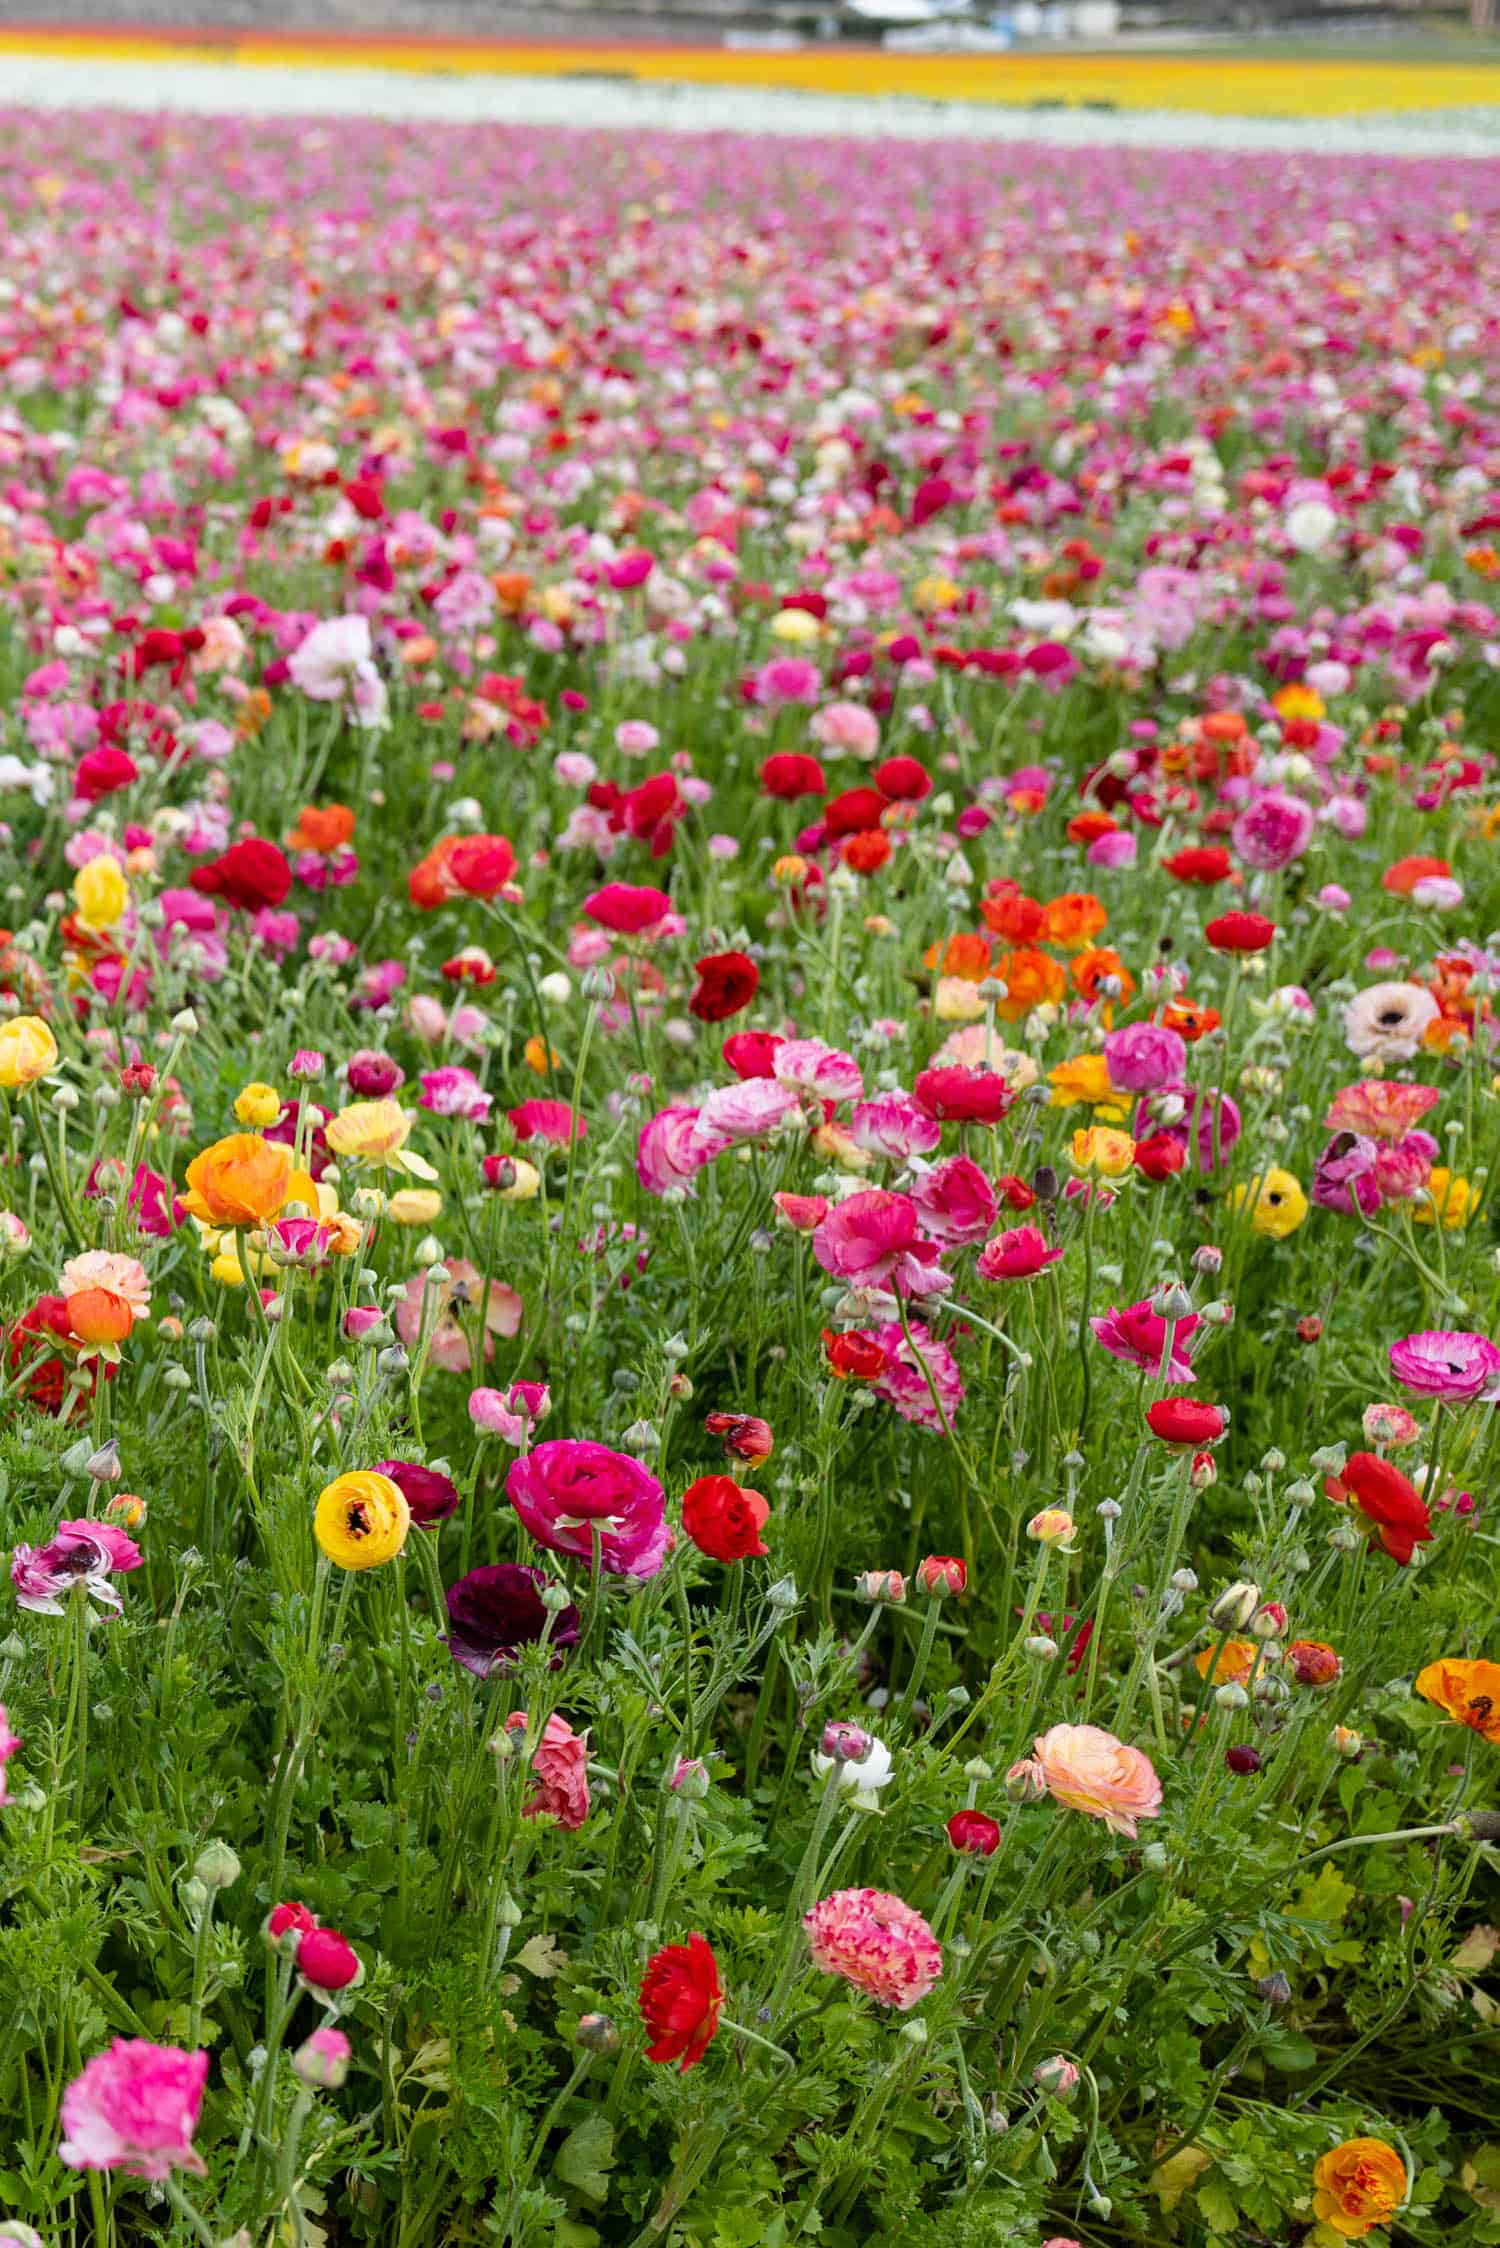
135,2108
877,1943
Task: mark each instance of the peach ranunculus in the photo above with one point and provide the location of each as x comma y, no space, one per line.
105,1268
447,1308
1358,2185
1469,1690
376,1132
245,1181
1089,1770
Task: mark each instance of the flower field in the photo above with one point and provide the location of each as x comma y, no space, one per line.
749,1103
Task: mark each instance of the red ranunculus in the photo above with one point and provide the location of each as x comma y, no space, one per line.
855,1356
853,812
791,773
481,865
744,1435
727,982
1240,932
250,874
680,2002
1159,1156
283,1917
1186,1421
99,772
903,779
973,1834
547,1120
723,1519
1388,1501
1014,1192
1201,864
953,1094
752,1053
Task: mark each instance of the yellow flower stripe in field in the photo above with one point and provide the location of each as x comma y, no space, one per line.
1224,85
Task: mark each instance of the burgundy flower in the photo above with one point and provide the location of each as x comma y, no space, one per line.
494,1610
430,1496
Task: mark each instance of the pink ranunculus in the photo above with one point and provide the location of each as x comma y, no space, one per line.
627,908
1138,1335
571,1494
135,2108
561,1764
1144,1056
847,726
552,1121
78,1552
1089,1770
667,1155
1402,1172
787,679
1114,851
746,1111
510,1413
877,1942
955,1201
1019,1254
874,1240
1453,1366
1273,829
912,1370
894,1125
811,1067
455,1091
1193,1131
448,1305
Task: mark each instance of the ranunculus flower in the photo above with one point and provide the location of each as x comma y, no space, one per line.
955,1095
894,1125
1020,1254
974,1834
914,1364
328,1961
668,1154
1089,1770
954,1201
873,1240
1186,1421
1453,1366
727,982
444,1310
552,1121
627,908
135,2108
1388,1500
680,2002
1274,829
431,1497
251,874
877,1942
1240,932
1144,1056
243,1181
361,1519
1139,1336
560,1761
77,1553
1389,1021
1468,1688
723,1519
1358,2186
571,1494
498,1608
807,1065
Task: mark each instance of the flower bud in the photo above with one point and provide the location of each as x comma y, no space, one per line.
1274,1990
104,1465
1269,1620
846,1744
1024,1782
1054,1526
1345,1742
1041,1648
125,1510
1235,1605
1231,1696
1204,1472
217,1866
887,1585
322,2061
1057,2077
941,1574
596,2033
1209,1259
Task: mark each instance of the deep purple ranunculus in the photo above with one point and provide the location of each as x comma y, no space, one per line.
494,1610
431,1497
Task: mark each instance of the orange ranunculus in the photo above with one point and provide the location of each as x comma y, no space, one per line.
868,851
1031,979
1011,914
244,1181
967,956
1223,725
1402,875
254,711
1358,2185
1235,1663
1087,827
322,827
511,588
1089,968
1190,1021
1072,920
1468,1689
98,1316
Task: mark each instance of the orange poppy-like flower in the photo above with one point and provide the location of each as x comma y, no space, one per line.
255,709
244,1181
1031,979
1236,1660
1190,1021
1403,875
1223,725
1090,967
1087,827
1468,1689
322,827
511,588
1484,561
1358,2185
967,956
868,851
99,1317
1011,914
1072,920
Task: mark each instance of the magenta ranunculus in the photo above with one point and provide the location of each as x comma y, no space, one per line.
1144,1056
1344,1176
874,1240
894,1125
669,1154
431,1496
1272,830
1139,1336
955,1201
571,1494
1193,1130
1454,1367
913,1370
135,2108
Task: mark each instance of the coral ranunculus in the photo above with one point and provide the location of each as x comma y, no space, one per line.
1089,1770
1357,2186
680,2002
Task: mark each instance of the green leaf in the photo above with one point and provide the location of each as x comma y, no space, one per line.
1217,2208
586,2157
1288,2049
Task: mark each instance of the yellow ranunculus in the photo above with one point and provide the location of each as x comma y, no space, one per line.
795,626
414,1205
361,1520
1450,1198
1279,1207
376,1132
258,1104
931,594
526,1184
1100,1149
956,1000
226,1269
100,891
1086,1078
27,1051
